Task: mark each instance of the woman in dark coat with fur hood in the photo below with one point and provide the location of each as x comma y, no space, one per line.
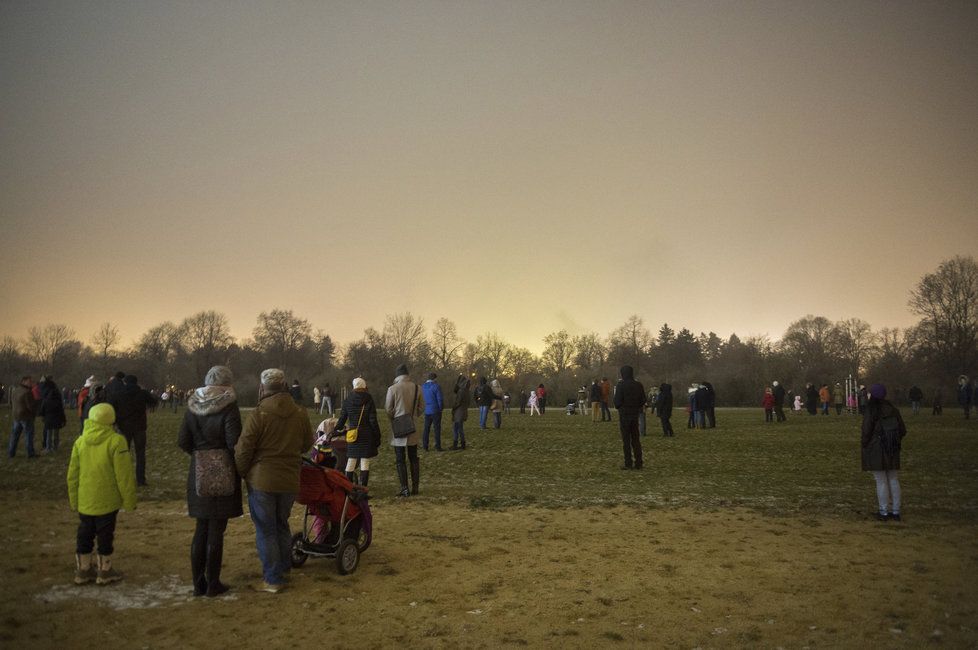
359,412
53,413
882,434
212,421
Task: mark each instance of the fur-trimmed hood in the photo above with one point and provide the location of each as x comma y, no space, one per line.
207,400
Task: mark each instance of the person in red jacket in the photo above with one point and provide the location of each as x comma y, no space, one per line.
768,404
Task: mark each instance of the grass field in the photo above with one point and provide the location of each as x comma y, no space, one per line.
747,535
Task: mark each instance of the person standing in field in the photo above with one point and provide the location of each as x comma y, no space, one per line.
542,398
210,430
916,396
779,396
23,412
434,403
965,396
840,398
630,400
882,435
402,401
52,414
483,399
605,397
531,403
663,408
768,404
359,412
460,411
100,483
825,397
596,401
317,399
938,405
268,455
497,404
811,399
130,402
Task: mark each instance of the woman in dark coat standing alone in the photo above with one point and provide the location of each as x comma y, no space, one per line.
460,410
212,421
882,432
53,413
359,412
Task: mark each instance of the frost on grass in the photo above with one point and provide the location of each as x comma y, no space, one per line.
166,591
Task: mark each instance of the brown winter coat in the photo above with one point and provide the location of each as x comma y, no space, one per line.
268,453
24,406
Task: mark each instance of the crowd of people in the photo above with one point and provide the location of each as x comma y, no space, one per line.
266,450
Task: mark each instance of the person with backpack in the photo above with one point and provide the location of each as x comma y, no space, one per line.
882,434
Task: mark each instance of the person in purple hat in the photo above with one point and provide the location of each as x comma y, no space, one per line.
882,434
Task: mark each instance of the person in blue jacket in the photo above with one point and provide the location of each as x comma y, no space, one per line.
433,405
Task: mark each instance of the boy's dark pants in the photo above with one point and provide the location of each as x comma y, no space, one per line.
92,526
631,445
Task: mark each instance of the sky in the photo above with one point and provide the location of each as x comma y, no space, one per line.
518,167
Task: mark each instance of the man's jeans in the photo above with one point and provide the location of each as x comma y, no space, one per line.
27,426
270,513
483,416
428,421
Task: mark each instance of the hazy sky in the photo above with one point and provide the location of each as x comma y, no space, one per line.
517,167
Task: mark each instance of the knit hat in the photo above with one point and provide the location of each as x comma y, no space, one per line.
219,376
877,391
272,377
432,375
359,383
401,370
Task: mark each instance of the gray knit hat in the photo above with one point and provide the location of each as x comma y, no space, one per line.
219,376
272,377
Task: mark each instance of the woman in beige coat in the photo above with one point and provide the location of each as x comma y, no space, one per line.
402,399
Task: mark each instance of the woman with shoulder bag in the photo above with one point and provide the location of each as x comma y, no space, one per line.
360,413
210,429
882,432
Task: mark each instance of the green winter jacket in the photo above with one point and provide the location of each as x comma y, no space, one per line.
101,478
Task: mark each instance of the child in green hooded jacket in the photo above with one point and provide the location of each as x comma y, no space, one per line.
101,480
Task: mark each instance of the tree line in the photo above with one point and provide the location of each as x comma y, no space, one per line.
930,354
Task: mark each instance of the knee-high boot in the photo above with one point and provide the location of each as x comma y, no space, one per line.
198,563
402,477
415,474
351,477
215,555
364,476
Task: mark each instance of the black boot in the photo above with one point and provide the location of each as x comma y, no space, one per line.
215,555
402,476
198,562
415,474
364,477
351,477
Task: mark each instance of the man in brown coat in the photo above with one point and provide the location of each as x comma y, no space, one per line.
268,455
23,412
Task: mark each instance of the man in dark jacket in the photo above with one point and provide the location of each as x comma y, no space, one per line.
434,402
964,395
663,407
24,410
629,400
779,401
916,396
710,406
130,402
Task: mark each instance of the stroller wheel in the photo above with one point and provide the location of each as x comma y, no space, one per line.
299,557
347,557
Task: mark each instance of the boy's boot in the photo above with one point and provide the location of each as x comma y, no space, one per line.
351,477
402,476
84,570
106,574
364,477
198,563
415,474
215,555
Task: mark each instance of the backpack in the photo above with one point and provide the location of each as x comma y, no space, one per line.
889,427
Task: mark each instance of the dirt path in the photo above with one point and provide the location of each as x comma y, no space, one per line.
445,575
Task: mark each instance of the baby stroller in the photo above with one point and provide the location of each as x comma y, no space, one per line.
337,521
571,406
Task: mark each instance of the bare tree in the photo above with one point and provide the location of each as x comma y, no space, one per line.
947,300
281,335
807,342
159,343
558,352
589,351
492,353
44,343
446,345
206,337
520,363
853,341
104,340
404,336
630,343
